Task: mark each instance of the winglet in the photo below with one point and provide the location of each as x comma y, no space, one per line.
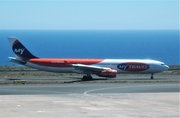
19,49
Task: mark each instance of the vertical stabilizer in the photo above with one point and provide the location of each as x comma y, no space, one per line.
19,49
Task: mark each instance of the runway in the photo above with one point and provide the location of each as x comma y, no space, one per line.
105,88
91,99
72,79
123,84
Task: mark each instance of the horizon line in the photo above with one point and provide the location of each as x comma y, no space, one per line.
89,29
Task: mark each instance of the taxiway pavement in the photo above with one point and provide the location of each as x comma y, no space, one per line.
87,100
71,79
79,88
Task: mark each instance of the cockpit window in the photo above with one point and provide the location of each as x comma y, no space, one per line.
162,64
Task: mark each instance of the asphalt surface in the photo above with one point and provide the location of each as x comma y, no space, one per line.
105,88
87,100
74,78
128,84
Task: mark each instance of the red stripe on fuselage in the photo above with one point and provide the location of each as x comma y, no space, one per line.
63,62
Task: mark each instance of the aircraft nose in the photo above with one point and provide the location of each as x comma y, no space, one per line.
167,67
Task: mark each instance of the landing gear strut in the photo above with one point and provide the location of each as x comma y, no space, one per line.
152,76
87,78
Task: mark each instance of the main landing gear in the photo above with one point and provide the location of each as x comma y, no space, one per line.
152,76
87,78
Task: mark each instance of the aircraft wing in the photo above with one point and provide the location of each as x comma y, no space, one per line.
89,68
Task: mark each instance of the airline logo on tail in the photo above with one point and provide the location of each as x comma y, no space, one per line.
18,48
19,51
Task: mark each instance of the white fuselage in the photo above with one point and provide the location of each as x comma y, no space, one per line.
121,65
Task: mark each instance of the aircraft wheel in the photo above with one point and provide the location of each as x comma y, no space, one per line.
87,78
90,77
84,77
152,76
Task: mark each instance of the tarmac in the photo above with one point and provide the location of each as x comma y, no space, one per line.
75,79
128,97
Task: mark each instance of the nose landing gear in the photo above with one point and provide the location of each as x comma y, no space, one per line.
152,76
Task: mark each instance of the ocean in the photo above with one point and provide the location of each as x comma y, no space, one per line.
162,45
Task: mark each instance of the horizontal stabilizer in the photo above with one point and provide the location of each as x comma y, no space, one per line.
17,60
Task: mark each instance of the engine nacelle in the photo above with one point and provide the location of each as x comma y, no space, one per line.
107,73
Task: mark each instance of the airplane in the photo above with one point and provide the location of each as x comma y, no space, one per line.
101,67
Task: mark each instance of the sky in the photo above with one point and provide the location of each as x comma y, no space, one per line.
89,14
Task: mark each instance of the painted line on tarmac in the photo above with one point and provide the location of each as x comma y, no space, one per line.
102,89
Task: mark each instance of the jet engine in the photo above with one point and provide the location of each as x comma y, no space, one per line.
107,73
